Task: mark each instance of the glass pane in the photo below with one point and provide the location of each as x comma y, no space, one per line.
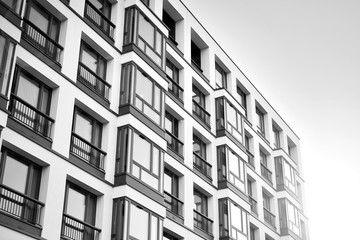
155,161
291,212
244,221
89,58
234,164
235,217
40,19
83,127
141,151
146,31
157,97
139,223
149,179
28,91
154,228
6,73
2,49
167,183
75,206
158,42
44,101
15,174
144,87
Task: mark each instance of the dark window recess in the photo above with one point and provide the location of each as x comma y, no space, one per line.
171,193
199,157
172,73
199,106
171,24
41,29
30,103
241,97
196,55
201,219
13,5
172,134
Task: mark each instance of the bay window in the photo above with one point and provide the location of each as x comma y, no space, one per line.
133,221
139,157
13,5
139,90
285,175
229,118
289,218
233,220
231,167
144,34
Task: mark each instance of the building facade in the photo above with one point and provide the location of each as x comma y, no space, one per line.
124,119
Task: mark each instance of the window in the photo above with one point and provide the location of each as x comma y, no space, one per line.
233,220
260,121
92,70
253,202
199,109
252,233
285,175
99,13
7,47
199,157
19,187
41,29
171,191
135,221
195,55
30,102
144,159
220,77
201,219
86,139
140,31
276,133
231,167
250,155
263,158
139,90
171,24
269,217
14,5
265,172
172,73
172,133
266,202
167,236
228,117
289,217
241,97
79,214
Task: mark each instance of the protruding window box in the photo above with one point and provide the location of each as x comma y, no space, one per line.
99,18
174,207
269,218
11,10
285,176
202,166
203,223
266,173
41,41
30,116
201,113
73,228
289,219
20,207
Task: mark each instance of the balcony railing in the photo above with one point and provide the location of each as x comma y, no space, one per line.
201,113
174,143
203,222
253,204
266,173
20,206
87,151
173,204
75,229
99,19
202,165
30,116
41,41
175,89
269,218
93,81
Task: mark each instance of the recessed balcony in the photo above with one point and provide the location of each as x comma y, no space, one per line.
202,165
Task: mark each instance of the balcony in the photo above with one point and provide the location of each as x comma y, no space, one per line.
41,41
30,116
266,173
253,204
20,206
175,89
202,165
93,81
173,204
202,222
99,19
174,143
269,218
87,151
201,113
78,230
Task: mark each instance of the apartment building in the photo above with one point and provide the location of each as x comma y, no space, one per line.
124,119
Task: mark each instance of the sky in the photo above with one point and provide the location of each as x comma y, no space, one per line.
304,57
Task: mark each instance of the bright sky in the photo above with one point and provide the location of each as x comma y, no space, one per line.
304,57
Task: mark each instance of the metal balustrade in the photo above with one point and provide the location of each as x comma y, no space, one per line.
93,81
99,19
75,229
87,151
41,41
173,204
20,206
201,113
30,116
203,222
202,165
174,143
175,89
269,218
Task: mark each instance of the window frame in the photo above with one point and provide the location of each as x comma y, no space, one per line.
7,59
99,58
202,146
242,97
276,134
223,74
261,121
195,54
203,204
227,226
171,24
197,93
